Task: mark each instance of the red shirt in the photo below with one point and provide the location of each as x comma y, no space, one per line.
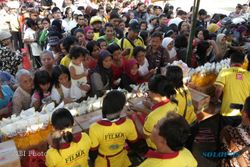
117,71
92,64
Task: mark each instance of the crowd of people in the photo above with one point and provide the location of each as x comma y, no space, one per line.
67,52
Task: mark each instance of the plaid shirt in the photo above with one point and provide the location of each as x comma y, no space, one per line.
158,58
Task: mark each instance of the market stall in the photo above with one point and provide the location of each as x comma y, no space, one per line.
30,129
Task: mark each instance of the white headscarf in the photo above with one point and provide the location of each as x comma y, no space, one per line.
165,42
222,46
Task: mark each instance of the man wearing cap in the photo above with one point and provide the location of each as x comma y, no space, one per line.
54,43
115,21
9,60
96,23
80,23
132,39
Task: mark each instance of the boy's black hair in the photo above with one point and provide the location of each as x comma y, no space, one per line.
143,22
77,51
113,47
46,19
181,12
62,119
162,15
90,46
237,57
57,71
108,25
159,84
79,15
202,12
138,49
113,103
68,41
157,34
174,75
99,41
78,30
175,130
55,9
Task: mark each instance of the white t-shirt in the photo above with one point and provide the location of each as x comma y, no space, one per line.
143,69
79,69
73,92
31,35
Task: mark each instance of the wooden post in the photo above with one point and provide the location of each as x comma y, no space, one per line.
193,29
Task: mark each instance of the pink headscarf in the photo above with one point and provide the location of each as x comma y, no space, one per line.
86,29
128,65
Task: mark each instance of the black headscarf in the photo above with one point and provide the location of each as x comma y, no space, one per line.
106,74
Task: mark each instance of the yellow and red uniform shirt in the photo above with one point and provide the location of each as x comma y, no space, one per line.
183,158
160,110
110,137
74,154
236,88
184,100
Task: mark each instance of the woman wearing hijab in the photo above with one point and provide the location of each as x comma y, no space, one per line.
168,44
88,33
222,45
101,77
130,75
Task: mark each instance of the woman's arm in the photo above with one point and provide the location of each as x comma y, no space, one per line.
216,49
97,84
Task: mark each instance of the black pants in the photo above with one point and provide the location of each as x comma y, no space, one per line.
17,40
37,62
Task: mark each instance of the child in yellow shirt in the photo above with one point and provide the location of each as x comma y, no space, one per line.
110,134
162,94
169,135
183,96
67,149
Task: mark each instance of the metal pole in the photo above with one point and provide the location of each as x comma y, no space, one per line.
193,28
